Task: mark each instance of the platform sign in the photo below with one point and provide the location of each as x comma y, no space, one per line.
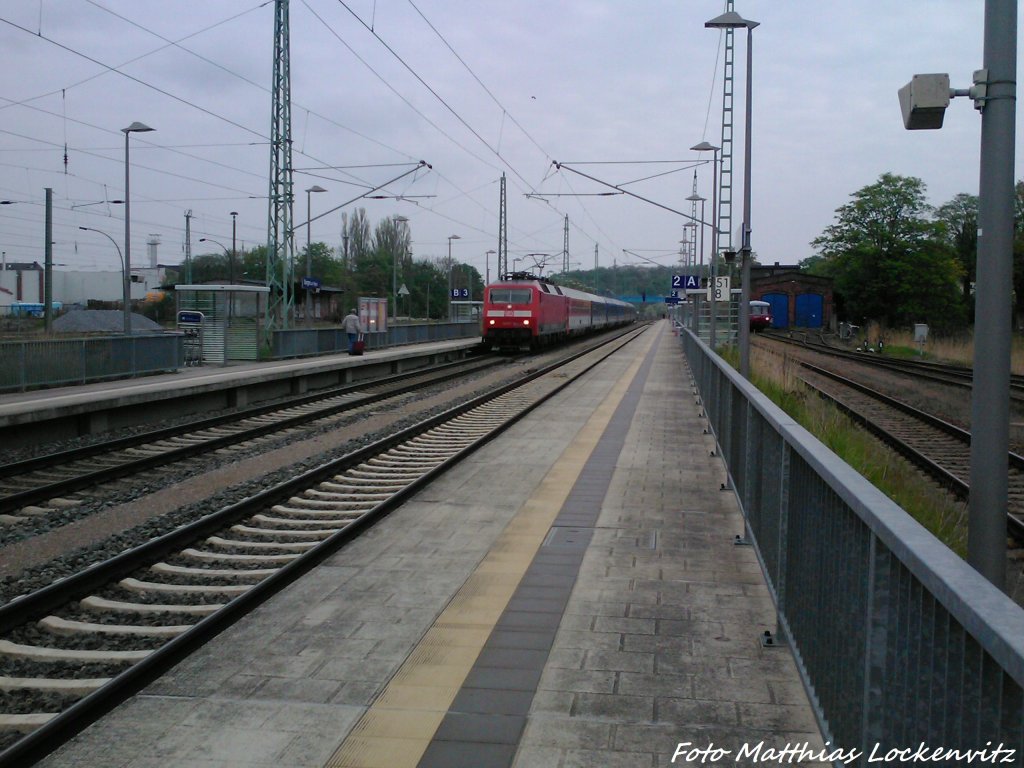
686,282
460,293
720,291
310,282
672,299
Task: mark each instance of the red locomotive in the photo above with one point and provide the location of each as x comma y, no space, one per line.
525,310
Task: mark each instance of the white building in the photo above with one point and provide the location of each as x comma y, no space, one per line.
22,282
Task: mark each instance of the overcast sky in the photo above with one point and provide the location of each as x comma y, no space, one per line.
486,87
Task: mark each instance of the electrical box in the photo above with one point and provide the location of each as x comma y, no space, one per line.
923,101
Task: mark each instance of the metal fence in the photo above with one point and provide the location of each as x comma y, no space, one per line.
301,342
50,362
898,640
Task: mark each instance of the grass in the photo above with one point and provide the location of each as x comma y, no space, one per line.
776,376
956,349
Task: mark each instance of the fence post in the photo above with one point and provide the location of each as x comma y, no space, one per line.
876,644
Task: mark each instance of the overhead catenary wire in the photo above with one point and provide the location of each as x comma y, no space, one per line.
445,179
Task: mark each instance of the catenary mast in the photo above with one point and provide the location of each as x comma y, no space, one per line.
280,235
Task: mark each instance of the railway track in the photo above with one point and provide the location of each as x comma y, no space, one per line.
939,448
73,650
952,375
35,488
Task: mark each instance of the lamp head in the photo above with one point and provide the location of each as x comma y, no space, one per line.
705,147
316,188
137,127
730,20
695,198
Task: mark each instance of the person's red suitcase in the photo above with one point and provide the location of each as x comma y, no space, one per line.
358,345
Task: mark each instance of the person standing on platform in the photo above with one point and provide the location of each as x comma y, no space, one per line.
353,328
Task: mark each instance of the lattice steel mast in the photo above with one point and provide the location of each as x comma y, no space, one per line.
502,233
725,174
280,235
565,247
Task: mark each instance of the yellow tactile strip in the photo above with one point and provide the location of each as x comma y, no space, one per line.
397,728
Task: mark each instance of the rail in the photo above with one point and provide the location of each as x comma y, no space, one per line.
899,642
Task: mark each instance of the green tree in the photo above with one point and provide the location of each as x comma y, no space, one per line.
1018,253
428,284
392,243
888,257
209,268
355,233
959,220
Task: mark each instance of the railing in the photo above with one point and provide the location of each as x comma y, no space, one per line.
300,342
898,640
51,362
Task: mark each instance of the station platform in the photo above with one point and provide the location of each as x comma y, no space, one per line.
568,596
67,411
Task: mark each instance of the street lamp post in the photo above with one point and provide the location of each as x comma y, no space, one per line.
394,266
309,258
487,267
116,246
226,253
231,263
732,20
135,127
713,271
450,238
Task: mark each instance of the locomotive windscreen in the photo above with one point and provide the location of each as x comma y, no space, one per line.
510,296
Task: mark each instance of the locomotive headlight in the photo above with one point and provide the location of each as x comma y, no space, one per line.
492,322
526,322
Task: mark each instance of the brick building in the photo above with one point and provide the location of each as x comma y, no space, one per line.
798,299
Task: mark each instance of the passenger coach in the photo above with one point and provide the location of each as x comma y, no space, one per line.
525,310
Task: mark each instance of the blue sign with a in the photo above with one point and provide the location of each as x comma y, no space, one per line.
672,299
310,282
686,282
460,293
190,318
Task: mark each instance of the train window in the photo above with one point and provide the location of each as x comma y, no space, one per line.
510,296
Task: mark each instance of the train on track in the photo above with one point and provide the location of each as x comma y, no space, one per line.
760,315
522,309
